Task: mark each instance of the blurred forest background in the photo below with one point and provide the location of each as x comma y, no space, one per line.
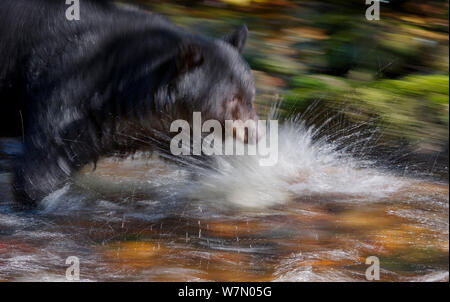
393,72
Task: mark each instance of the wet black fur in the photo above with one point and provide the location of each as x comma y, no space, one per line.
107,84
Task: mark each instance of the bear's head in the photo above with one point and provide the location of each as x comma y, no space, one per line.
214,79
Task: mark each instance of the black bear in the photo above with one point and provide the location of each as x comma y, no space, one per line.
77,90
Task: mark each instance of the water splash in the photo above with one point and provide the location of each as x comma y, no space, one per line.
309,163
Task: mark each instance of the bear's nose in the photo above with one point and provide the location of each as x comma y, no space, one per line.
252,133
255,132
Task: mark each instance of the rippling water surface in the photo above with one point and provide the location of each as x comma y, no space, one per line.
315,216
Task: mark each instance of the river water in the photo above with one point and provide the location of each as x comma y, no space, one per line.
314,216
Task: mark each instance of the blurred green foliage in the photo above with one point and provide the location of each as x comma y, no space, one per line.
413,107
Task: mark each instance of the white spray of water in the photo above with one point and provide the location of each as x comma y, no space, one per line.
306,166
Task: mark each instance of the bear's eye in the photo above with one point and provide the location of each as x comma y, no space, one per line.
236,99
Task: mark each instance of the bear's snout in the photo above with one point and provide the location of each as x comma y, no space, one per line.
248,131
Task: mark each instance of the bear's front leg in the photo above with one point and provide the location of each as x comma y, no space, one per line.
38,173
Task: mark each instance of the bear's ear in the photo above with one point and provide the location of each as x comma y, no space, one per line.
238,38
189,57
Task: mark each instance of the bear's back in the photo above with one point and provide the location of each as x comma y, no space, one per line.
39,41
